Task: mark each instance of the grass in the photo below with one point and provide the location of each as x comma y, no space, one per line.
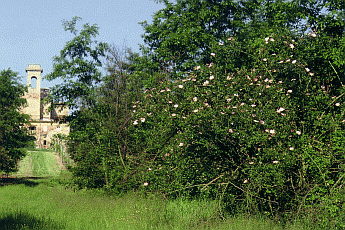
44,204
34,203
39,164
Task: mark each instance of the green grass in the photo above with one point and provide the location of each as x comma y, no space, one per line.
39,164
44,204
47,204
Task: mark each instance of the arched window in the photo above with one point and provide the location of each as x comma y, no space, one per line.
33,82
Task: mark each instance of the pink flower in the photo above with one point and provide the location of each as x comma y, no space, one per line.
337,104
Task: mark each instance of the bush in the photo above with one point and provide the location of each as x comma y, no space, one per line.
259,127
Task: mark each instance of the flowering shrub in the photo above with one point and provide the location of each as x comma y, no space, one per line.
259,126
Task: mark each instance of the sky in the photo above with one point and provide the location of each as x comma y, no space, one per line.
31,31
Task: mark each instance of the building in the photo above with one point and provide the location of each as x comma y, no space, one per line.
44,124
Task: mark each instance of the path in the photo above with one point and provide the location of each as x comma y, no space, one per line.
40,163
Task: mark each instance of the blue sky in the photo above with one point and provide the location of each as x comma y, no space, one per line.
31,31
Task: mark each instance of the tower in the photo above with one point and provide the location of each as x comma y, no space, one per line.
33,96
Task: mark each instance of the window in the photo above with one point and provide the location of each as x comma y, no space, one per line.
33,82
32,128
44,142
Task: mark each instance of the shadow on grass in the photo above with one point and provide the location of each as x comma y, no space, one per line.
22,220
28,181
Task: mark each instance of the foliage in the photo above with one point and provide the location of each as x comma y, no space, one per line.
13,132
77,65
262,132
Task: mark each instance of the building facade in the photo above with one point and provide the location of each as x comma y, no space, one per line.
44,123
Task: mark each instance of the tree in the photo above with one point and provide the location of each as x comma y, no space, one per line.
14,134
77,66
184,32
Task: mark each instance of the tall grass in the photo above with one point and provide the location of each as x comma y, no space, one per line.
45,204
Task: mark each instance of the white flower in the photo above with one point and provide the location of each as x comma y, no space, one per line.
176,105
262,122
231,131
146,184
307,69
313,35
253,105
275,162
298,132
251,162
195,98
228,78
206,83
281,62
265,59
272,131
173,115
281,109
292,46
195,110
245,181
135,122
181,144
294,61
271,39
213,54
291,148
266,39
236,95
337,104
211,77
311,74
149,169
180,86
197,68
220,44
288,60
142,119
149,114
289,91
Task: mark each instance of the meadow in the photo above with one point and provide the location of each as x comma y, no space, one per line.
34,203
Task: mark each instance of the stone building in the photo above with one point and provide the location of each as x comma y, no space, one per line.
44,124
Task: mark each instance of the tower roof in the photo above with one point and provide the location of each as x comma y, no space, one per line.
34,67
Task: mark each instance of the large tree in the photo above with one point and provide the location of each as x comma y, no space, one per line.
185,31
77,66
13,132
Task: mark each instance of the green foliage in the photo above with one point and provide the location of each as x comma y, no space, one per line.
261,132
77,66
13,132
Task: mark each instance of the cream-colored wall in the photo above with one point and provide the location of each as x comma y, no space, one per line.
45,126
